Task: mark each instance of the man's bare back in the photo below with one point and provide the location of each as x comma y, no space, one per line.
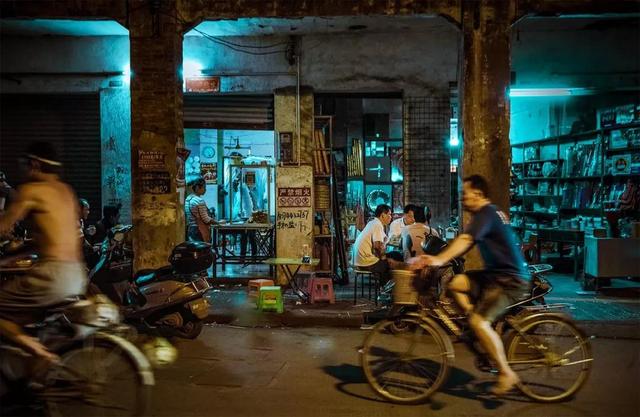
52,205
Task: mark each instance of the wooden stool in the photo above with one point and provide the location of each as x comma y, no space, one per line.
321,289
270,298
255,284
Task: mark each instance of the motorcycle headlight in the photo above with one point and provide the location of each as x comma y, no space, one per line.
160,352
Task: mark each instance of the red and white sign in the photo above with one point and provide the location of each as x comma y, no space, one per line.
204,84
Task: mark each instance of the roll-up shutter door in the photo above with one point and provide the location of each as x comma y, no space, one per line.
219,111
71,122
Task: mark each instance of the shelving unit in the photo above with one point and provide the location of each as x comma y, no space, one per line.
323,231
580,180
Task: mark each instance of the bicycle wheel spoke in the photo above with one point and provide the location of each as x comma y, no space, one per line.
404,361
545,373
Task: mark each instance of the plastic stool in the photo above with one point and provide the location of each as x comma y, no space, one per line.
270,298
362,273
321,289
255,285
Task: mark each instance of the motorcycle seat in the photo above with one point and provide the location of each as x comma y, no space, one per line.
146,276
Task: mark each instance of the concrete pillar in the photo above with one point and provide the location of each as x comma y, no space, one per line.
156,130
294,225
485,75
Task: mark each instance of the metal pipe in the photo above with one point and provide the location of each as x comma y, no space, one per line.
298,104
248,74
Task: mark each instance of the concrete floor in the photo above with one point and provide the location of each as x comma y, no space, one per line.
315,372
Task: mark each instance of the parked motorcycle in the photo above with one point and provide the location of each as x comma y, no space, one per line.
170,299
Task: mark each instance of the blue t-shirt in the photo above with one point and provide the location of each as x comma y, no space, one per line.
492,233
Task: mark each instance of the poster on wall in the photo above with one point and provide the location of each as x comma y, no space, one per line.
151,160
209,171
286,147
155,182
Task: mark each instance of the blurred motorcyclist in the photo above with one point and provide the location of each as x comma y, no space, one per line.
53,207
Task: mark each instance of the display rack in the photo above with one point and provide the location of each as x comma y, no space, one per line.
323,230
580,174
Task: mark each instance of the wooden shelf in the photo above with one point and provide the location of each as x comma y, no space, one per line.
322,236
579,178
630,149
534,213
537,161
537,178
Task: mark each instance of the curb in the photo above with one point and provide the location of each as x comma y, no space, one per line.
610,329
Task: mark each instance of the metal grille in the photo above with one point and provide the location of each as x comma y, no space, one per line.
211,111
426,154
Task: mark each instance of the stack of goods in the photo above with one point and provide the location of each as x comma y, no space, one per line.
321,154
323,196
354,161
583,160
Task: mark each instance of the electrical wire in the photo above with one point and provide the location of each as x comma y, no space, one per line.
231,45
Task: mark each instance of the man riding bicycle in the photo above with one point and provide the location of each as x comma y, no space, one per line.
484,295
52,206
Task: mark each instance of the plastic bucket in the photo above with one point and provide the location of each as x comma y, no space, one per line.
403,290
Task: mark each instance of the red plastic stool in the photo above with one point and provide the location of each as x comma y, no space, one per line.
321,289
255,285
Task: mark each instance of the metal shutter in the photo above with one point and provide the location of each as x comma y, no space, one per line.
71,122
218,111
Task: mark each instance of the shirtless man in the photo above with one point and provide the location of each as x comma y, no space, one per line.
60,273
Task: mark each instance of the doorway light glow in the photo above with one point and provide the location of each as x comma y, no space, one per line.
550,92
191,68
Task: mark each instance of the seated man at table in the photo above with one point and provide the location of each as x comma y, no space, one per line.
396,226
369,247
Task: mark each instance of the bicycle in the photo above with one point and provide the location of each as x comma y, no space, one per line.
99,372
406,358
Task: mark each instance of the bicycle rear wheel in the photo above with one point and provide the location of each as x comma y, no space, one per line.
405,360
98,378
551,356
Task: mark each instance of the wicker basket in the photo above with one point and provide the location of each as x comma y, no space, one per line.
403,290
323,197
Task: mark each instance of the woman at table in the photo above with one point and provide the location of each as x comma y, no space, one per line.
414,234
199,220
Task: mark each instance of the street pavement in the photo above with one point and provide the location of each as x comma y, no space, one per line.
262,372
612,313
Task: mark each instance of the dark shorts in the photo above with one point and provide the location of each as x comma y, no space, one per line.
492,292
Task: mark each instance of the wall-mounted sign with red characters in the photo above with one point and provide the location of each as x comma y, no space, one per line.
204,84
294,197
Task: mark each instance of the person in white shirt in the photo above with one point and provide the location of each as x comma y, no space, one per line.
395,229
414,234
369,248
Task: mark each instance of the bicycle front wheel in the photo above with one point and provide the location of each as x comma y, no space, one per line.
551,356
405,360
100,377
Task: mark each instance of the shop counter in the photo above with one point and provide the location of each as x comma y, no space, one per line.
607,258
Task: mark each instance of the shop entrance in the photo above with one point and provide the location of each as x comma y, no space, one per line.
230,141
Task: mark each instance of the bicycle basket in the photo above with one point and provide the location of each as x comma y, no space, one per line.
403,290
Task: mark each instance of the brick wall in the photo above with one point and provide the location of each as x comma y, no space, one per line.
426,155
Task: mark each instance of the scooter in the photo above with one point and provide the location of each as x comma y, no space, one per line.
169,299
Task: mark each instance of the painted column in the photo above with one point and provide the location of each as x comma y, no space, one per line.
485,75
156,131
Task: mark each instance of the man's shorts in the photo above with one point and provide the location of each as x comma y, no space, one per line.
492,292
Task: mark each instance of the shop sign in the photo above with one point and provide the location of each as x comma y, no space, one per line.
206,84
151,160
209,171
294,197
155,182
